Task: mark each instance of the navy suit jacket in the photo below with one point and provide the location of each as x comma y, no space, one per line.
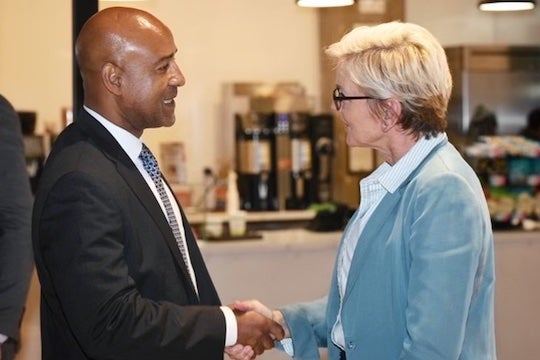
114,285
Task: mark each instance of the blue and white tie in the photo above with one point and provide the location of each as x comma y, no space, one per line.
151,166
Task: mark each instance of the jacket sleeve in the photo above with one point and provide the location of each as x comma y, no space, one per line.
307,324
447,233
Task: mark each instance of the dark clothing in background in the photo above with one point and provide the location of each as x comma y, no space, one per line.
15,237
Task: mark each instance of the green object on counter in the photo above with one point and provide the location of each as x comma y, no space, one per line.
320,207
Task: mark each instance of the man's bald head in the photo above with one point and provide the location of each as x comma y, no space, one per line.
110,33
126,58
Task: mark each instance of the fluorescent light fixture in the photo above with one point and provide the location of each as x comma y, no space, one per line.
506,5
324,3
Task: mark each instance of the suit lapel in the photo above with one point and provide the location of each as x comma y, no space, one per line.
375,229
136,182
148,200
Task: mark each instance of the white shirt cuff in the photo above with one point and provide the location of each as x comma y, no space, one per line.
288,346
231,333
3,338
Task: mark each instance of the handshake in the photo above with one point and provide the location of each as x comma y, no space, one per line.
258,328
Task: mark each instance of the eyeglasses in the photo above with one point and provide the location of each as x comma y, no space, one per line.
338,98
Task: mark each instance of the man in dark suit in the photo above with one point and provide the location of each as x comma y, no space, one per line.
122,276
15,245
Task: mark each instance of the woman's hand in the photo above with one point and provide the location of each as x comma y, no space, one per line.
238,352
256,305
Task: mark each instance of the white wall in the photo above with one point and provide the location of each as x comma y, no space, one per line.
35,56
219,41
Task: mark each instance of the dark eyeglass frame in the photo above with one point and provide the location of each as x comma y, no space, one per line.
338,98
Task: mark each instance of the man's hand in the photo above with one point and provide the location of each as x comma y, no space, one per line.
259,307
257,331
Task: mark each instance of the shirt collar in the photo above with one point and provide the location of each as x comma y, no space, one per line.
131,144
391,177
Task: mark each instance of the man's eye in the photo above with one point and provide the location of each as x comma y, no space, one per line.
164,67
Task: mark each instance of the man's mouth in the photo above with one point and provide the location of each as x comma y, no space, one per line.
168,101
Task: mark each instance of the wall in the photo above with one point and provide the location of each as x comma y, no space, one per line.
35,56
219,41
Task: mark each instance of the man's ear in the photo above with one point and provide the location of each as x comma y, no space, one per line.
112,78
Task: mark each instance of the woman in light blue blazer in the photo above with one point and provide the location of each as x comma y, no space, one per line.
414,273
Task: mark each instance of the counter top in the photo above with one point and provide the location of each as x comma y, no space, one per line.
197,217
276,241
306,240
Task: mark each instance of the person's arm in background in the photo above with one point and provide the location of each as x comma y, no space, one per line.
15,230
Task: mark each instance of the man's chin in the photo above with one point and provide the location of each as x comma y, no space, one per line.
168,122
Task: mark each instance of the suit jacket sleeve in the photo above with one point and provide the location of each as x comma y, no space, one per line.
15,212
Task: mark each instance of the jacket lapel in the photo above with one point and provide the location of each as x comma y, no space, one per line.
375,229
136,182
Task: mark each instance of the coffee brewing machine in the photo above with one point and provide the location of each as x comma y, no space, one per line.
321,135
282,152
283,160
255,161
297,188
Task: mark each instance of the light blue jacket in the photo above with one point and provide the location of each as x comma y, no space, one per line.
421,283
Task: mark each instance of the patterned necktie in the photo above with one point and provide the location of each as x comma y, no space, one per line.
151,166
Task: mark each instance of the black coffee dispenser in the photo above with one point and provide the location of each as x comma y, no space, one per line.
321,134
283,153
311,150
284,160
255,161
304,151
302,180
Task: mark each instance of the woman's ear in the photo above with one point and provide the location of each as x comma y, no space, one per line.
112,78
391,112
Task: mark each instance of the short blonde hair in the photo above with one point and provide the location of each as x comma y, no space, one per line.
402,61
